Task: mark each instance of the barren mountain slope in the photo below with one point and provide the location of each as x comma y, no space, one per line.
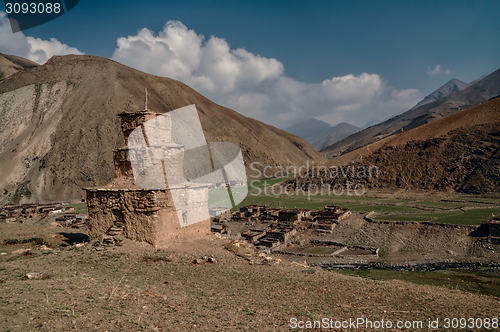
479,92
445,90
58,126
460,153
11,64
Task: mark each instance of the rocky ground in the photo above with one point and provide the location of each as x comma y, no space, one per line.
211,285
416,242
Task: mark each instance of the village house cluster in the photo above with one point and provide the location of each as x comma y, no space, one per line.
272,227
11,213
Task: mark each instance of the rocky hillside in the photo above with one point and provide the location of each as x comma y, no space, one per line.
479,92
58,126
458,153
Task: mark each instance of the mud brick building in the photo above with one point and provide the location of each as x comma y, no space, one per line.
293,216
331,214
282,235
19,213
253,235
142,214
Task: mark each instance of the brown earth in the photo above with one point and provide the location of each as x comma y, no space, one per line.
402,242
477,93
458,153
134,288
11,64
58,126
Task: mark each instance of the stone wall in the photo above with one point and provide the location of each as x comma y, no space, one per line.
135,209
145,215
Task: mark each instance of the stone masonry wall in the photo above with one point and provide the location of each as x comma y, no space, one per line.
147,215
136,209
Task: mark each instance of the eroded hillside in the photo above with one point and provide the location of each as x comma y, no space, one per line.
60,126
458,153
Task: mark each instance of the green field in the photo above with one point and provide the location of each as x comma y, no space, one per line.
282,202
471,217
80,208
487,283
260,193
457,217
477,199
418,216
319,202
440,204
220,197
264,183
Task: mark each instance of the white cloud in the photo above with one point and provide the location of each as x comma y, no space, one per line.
254,85
34,49
439,71
249,83
42,50
209,66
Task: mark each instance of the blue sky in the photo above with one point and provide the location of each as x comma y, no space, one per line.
321,50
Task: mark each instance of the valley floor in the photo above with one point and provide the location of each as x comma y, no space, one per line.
136,288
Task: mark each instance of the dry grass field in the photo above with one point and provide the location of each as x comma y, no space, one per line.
136,288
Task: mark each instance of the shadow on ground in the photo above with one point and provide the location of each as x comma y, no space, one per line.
73,238
481,231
